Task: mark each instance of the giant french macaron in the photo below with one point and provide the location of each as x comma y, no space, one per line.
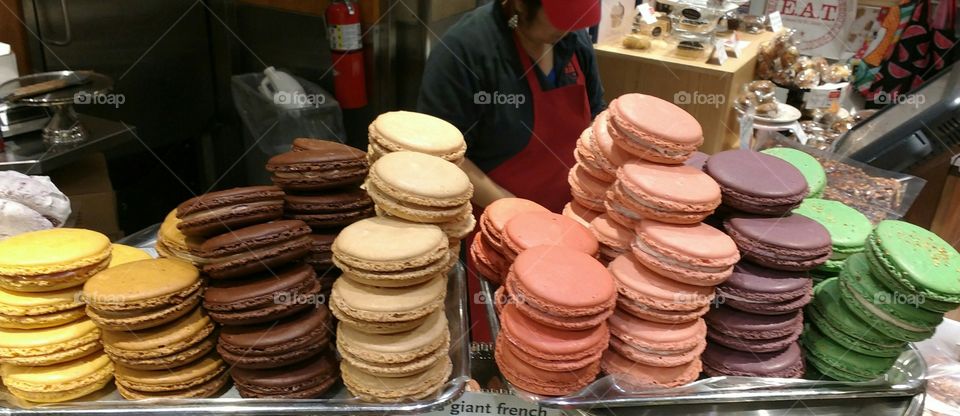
653,129
54,259
221,211
757,183
263,297
392,253
419,187
256,248
398,131
696,254
335,166
276,344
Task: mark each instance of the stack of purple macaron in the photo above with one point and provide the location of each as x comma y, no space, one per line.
757,318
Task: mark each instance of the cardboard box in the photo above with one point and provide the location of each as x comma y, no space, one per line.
87,183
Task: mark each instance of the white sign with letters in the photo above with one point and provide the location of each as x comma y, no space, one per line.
821,25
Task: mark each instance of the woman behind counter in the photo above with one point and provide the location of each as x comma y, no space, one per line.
519,78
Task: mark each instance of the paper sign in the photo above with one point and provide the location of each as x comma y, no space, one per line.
646,13
616,20
816,99
822,25
776,22
489,404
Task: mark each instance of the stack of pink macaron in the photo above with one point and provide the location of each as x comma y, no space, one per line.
488,251
554,326
598,159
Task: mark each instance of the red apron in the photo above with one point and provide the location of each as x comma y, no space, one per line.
539,171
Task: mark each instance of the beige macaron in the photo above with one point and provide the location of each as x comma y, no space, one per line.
167,346
390,253
396,355
202,378
371,388
386,310
404,130
419,187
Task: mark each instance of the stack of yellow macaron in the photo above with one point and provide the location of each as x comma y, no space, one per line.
154,330
49,350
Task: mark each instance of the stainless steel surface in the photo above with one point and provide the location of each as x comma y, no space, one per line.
67,30
28,153
898,388
64,126
109,401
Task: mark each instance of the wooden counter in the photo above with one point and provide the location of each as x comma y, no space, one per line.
705,90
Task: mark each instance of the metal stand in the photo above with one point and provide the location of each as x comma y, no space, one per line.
64,127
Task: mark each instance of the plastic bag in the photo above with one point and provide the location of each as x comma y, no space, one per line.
942,354
273,127
879,194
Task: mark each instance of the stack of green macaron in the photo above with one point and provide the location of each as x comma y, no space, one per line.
894,293
811,169
848,229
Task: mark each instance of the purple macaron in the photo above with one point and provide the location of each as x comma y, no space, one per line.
757,183
765,291
749,332
722,361
791,243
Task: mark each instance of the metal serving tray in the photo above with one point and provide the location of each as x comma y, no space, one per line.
905,380
109,402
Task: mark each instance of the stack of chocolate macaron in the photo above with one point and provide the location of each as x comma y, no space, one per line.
488,252
554,329
425,189
49,350
269,301
753,331
848,229
392,334
321,180
894,293
399,131
154,331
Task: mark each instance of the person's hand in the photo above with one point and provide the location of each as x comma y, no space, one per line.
485,190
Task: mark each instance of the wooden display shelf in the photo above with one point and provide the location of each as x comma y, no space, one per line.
662,72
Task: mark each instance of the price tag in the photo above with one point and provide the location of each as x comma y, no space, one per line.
719,56
646,13
816,99
776,22
746,130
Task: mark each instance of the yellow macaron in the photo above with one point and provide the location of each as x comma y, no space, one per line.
25,310
125,254
49,346
61,382
172,243
54,259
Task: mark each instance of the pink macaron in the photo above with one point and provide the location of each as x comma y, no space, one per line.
488,262
529,378
636,376
675,194
614,238
619,211
697,254
586,189
654,129
549,348
581,214
496,215
656,344
609,156
531,229
648,295
591,161
562,288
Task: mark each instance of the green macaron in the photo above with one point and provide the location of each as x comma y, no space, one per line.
839,363
832,318
908,258
848,227
895,313
811,169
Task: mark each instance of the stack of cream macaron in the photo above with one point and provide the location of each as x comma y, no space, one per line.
398,131
393,334
50,351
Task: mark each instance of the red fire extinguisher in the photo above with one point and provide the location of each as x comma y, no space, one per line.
346,47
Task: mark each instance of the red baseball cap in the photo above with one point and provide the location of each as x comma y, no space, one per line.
570,15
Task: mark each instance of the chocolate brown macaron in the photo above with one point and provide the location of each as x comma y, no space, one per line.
292,339
328,166
302,380
328,210
221,211
263,298
255,249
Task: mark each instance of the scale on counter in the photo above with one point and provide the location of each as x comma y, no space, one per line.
914,128
74,87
